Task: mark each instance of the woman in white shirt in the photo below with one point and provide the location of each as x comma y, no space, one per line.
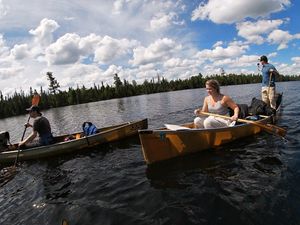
215,103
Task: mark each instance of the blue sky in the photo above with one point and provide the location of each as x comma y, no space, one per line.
87,41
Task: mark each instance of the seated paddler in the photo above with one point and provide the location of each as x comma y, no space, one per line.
40,127
216,103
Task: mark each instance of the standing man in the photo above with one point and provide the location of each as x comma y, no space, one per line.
268,82
40,126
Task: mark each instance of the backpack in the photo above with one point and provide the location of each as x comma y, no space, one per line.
259,107
89,128
243,110
4,140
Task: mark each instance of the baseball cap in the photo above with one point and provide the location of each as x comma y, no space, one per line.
263,58
34,108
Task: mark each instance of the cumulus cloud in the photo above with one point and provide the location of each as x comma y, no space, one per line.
282,38
160,50
111,70
20,51
178,62
164,21
89,43
71,48
64,51
253,31
231,11
291,69
234,49
110,49
44,32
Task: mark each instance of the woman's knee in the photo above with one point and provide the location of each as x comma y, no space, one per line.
208,123
198,122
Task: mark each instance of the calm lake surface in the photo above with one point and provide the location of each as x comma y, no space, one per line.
253,181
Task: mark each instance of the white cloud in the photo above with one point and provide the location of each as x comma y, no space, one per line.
253,31
164,21
273,54
64,51
110,49
218,43
296,60
290,69
44,32
112,70
159,51
231,11
282,38
20,51
233,50
87,43
178,62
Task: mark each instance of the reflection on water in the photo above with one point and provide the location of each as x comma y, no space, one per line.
251,181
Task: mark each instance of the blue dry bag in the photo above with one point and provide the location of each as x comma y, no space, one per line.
89,128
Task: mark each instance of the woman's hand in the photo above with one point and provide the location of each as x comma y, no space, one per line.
234,118
197,112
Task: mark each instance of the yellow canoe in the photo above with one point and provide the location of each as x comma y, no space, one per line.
103,135
162,144
174,141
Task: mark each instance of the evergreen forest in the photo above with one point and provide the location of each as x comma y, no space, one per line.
17,103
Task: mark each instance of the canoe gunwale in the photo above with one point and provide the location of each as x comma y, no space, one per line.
165,130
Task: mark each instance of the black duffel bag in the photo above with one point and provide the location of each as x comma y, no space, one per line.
259,107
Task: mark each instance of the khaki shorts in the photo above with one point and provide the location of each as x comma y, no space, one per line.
268,96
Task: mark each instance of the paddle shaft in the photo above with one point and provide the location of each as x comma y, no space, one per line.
34,101
266,127
270,79
25,129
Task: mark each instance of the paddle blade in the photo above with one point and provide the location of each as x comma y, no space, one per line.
276,130
35,99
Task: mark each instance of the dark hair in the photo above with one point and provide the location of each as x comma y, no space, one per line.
263,58
214,84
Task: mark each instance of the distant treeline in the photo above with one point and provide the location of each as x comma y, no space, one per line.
16,104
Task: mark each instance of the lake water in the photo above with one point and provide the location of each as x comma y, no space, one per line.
255,180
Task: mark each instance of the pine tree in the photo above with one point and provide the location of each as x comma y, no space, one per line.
54,85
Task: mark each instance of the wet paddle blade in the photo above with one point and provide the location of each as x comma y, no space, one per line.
276,130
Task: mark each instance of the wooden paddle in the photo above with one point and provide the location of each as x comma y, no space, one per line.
270,128
34,102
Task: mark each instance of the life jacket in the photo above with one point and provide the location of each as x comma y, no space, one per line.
89,128
4,140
